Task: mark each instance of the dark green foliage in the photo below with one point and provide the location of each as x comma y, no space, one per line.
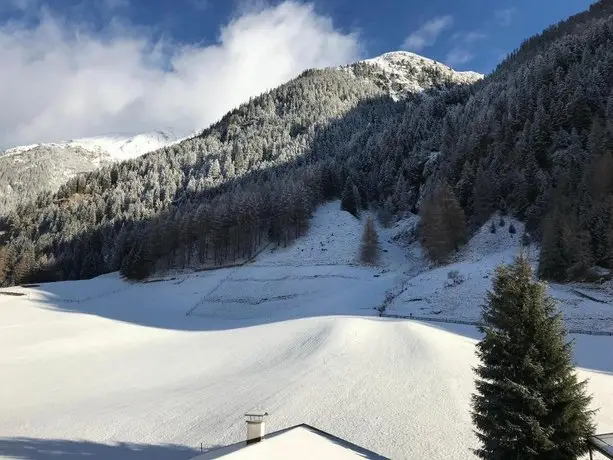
525,239
350,199
529,403
565,250
136,265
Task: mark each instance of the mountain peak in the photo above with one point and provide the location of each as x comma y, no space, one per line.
403,73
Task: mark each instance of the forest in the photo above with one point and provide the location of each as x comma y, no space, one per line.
533,139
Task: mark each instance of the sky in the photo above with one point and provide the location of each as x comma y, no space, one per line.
78,68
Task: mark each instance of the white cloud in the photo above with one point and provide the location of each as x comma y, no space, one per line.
462,52
115,4
61,82
474,36
459,55
504,17
18,5
427,34
200,5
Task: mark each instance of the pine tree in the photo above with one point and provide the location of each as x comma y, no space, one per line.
369,252
529,403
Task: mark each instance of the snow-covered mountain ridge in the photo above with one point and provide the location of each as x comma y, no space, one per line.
28,170
403,73
117,147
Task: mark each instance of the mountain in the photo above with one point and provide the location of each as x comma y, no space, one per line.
533,139
28,170
402,73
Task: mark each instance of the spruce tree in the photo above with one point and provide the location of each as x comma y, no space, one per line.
136,266
529,403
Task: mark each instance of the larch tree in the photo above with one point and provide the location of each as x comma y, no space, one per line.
370,249
443,225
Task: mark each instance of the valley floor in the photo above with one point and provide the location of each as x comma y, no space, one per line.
115,370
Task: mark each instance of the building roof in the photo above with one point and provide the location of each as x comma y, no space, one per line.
297,442
603,443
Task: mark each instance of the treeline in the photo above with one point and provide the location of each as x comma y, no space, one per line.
535,137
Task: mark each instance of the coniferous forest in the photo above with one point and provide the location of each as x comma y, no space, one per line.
534,139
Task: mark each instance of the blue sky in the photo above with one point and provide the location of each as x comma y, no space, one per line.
82,67
473,34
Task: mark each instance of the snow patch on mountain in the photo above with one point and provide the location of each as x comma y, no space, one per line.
403,73
122,148
116,147
458,290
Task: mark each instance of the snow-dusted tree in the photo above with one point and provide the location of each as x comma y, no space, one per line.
529,403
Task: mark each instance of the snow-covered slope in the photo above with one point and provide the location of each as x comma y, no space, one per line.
457,291
27,170
116,146
121,148
403,73
109,369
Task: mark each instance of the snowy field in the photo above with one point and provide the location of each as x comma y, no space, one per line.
112,370
434,294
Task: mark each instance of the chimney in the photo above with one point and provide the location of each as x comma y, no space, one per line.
256,426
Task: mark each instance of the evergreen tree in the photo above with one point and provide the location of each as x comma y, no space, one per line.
350,199
369,252
529,403
136,266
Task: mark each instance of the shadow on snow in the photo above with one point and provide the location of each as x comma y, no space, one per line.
51,449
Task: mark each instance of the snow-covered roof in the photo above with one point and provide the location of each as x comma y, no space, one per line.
603,443
298,442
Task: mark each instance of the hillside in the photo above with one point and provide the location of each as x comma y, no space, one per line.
120,370
456,291
276,135
522,141
26,171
